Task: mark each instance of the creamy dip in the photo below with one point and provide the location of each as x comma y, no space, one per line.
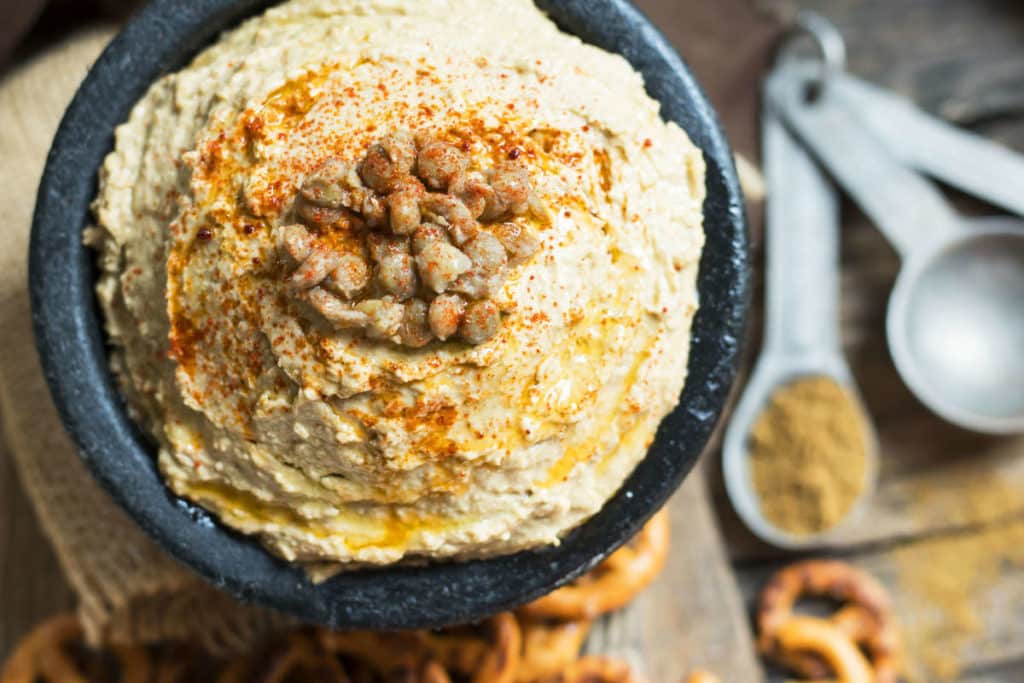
336,445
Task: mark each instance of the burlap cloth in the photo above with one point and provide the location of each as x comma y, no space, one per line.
129,590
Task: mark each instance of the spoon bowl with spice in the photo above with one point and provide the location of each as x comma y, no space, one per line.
800,455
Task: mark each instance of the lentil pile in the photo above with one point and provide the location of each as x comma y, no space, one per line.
392,245
808,455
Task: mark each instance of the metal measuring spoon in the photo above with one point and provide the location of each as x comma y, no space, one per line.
801,336
955,321
970,162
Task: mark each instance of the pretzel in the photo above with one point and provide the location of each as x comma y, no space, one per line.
499,666
496,662
880,642
825,639
596,670
614,582
433,672
549,647
359,671
866,619
299,657
383,653
488,655
46,655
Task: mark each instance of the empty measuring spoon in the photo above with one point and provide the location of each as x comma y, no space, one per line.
801,335
955,321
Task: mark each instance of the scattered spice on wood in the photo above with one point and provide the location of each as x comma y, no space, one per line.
962,585
808,455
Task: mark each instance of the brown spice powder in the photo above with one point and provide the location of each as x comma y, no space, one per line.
952,581
808,455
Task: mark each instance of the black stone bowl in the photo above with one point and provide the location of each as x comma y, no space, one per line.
70,339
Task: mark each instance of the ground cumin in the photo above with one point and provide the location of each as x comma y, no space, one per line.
957,584
808,459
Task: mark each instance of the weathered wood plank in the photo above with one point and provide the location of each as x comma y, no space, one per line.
961,59
728,69
920,453
959,598
937,482
693,615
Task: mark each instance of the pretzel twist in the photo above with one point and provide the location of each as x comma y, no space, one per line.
539,645
495,651
382,653
826,640
613,583
549,647
300,656
46,655
488,653
598,670
880,641
433,672
866,618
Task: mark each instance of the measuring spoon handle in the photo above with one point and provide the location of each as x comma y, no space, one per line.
969,162
801,247
909,210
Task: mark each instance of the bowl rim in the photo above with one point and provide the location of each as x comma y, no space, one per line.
73,351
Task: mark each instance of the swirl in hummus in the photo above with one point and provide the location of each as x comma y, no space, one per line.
327,413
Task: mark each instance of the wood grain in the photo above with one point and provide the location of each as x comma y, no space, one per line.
989,615
938,484
693,615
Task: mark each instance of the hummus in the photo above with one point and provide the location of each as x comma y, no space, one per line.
295,406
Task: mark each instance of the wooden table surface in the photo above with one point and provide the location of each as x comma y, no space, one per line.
949,502
962,60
